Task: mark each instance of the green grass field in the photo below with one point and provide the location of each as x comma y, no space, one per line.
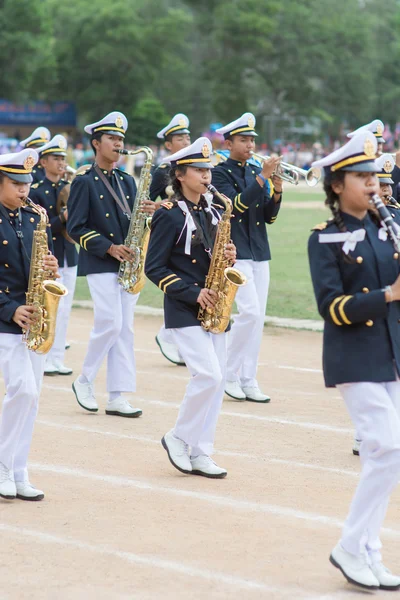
291,292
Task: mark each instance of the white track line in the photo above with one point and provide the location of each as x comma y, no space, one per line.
152,561
247,416
226,502
146,440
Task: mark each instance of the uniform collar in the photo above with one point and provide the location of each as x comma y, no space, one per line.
235,163
353,221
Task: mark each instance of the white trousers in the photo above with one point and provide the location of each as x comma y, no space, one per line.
244,339
68,278
205,356
112,333
165,335
23,373
375,411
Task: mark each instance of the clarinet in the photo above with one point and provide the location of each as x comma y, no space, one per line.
387,221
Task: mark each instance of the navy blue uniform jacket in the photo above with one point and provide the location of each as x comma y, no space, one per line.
95,221
159,182
45,193
15,254
180,276
252,208
362,331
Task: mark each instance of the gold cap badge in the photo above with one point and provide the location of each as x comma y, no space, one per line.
63,144
205,150
28,163
379,129
251,122
387,167
119,121
369,149
182,122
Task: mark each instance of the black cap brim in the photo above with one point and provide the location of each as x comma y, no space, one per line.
380,140
386,180
20,177
201,165
108,132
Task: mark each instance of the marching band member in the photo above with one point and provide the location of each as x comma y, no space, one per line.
254,205
40,136
99,209
385,165
176,135
45,192
22,369
355,274
178,259
377,128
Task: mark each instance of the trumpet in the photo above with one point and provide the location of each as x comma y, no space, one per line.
291,173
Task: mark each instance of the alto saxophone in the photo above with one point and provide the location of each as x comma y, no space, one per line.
44,292
131,273
221,278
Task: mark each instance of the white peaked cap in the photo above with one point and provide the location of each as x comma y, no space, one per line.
196,155
114,123
376,127
57,145
18,165
244,125
178,124
357,155
40,136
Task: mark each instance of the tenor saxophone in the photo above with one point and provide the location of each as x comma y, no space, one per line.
131,273
44,292
221,278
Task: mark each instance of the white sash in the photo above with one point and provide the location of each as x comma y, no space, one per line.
350,239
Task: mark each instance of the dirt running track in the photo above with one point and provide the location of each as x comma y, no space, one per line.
118,522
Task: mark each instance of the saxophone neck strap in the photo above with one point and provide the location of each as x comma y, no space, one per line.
121,202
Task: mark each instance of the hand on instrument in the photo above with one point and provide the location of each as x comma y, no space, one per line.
269,166
120,252
207,298
230,252
148,207
24,316
50,263
277,182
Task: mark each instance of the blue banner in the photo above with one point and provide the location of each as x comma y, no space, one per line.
37,113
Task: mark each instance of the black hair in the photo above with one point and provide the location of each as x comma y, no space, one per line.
2,177
95,136
178,195
332,202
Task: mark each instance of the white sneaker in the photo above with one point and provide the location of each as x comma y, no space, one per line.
84,393
178,452
356,447
170,351
205,466
387,581
62,369
120,407
355,568
7,483
233,389
50,368
254,394
26,491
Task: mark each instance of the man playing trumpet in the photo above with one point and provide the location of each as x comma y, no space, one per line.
255,203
